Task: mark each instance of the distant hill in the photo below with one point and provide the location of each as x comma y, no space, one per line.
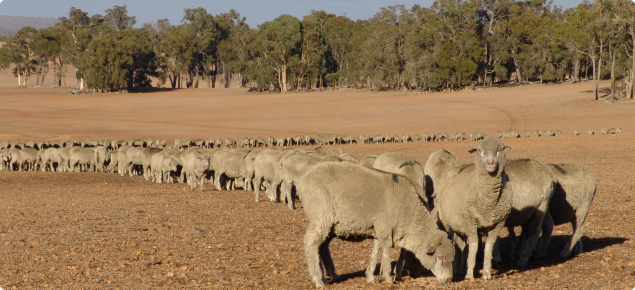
9,25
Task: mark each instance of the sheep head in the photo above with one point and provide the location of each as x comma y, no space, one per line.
439,257
490,155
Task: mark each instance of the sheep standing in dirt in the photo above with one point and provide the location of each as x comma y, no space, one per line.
399,163
478,136
476,199
533,185
352,202
435,169
231,143
570,204
231,164
101,158
196,167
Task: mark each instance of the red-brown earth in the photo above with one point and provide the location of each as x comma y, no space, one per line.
95,230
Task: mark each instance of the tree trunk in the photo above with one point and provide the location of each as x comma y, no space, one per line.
196,84
81,84
519,77
595,83
283,73
214,69
576,68
599,75
19,78
612,55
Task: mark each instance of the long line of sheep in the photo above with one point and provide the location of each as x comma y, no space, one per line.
433,212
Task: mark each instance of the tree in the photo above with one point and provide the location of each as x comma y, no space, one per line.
117,18
202,26
337,32
120,59
179,48
623,15
280,41
21,52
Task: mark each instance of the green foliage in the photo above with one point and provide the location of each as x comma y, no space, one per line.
120,59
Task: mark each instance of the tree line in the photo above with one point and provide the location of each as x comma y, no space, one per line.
450,45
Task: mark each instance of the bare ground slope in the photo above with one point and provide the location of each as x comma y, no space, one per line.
92,230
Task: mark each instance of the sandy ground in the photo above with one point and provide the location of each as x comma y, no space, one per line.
94,230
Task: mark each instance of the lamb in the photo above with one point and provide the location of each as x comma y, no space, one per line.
196,167
533,185
570,203
352,202
476,198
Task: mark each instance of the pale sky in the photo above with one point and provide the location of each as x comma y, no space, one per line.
256,11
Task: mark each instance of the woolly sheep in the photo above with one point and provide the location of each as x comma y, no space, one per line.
231,143
570,203
477,136
533,185
576,132
352,202
82,157
231,164
476,199
591,132
28,155
416,137
435,169
196,167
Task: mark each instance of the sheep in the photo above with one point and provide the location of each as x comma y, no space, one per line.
231,143
399,163
591,132
604,131
161,143
28,155
416,137
196,167
540,133
114,162
368,160
554,133
14,158
405,138
293,169
365,139
219,142
246,142
435,169
268,169
230,163
65,156
83,157
570,204
576,133
141,157
100,158
272,141
475,198
162,167
533,185
478,136
352,202
619,130
525,135
249,161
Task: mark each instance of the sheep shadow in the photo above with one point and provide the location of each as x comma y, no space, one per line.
556,245
378,278
152,90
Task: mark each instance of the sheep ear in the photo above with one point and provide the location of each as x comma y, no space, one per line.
430,250
471,151
507,148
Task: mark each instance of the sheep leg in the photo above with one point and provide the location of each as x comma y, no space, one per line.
543,243
372,263
487,255
327,260
512,234
414,265
312,241
217,180
472,242
385,261
572,243
287,192
400,264
257,183
459,255
531,234
201,181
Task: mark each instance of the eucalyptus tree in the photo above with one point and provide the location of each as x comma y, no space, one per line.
279,42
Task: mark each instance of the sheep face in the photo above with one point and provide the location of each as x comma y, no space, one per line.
490,155
172,165
443,254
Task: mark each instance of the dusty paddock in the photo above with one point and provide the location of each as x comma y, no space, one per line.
93,230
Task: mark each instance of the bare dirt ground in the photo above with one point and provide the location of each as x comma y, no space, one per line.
94,230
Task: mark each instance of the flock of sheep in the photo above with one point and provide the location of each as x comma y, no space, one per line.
436,213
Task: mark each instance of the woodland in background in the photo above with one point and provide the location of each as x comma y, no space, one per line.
450,45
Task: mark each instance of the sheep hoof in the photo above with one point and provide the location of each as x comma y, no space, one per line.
319,282
370,279
487,275
388,280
